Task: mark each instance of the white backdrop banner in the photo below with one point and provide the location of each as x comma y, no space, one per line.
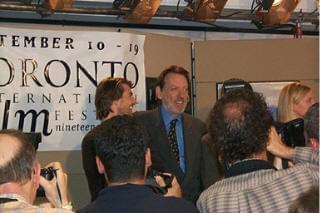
48,80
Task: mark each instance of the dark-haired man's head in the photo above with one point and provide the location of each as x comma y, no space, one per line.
239,125
18,163
173,89
122,150
114,96
311,125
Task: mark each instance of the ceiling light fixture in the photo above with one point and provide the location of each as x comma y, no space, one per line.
272,12
137,11
205,10
57,4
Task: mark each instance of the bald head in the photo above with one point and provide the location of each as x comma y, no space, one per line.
9,147
17,157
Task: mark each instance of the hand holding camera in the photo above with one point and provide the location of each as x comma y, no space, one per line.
54,182
164,183
277,147
173,189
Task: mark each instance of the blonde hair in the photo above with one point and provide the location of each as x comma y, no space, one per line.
290,94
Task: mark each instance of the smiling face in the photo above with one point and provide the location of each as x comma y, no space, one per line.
126,102
174,94
301,107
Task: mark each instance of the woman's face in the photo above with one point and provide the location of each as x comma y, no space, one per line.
303,105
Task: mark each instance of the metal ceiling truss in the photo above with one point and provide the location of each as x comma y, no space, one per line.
166,17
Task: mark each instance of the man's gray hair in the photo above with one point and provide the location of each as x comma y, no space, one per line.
311,122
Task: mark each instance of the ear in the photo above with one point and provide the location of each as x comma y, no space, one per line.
148,158
297,110
36,175
158,93
314,142
100,165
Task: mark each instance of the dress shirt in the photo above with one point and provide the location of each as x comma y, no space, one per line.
264,190
179,132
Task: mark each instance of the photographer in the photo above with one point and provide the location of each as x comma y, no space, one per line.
240,126
20,177
123,157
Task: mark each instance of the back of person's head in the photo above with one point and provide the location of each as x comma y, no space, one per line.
172,69
311,122
235,83
307,202
108,90
239,125
290,94
121,146
17,157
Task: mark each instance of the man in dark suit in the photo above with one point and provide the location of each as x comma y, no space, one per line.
176,145
113,97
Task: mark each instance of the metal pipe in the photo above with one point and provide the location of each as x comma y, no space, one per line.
164,11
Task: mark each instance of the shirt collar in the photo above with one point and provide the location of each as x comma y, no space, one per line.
167,117
14,196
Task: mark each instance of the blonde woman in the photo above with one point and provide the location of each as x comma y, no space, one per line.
294,101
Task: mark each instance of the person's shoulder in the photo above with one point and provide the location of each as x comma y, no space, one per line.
86,140
304,168
207,193
173,204
147,116
92,131
145,113
193,119
194,122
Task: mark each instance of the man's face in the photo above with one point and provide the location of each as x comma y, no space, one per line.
127,101
174,94
303,105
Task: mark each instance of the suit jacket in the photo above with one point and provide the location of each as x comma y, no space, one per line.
201,165
96,181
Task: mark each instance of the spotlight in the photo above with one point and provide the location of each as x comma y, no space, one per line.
57,4
205,10
137,11
276,11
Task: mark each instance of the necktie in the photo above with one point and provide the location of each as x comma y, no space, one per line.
173,139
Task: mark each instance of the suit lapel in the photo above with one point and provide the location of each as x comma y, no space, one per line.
164,146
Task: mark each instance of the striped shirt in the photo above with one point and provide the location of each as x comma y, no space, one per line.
264,190
20,205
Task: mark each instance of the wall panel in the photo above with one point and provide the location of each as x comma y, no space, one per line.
253,60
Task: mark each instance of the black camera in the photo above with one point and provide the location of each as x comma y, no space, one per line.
48,173
166,178
292,132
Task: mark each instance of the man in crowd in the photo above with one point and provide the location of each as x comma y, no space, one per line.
311,126
20,177
241,130
176,145
113,97
123,157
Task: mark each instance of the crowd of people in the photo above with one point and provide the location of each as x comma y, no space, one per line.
165,160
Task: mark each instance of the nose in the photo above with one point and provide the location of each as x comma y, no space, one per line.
183,94
134,100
